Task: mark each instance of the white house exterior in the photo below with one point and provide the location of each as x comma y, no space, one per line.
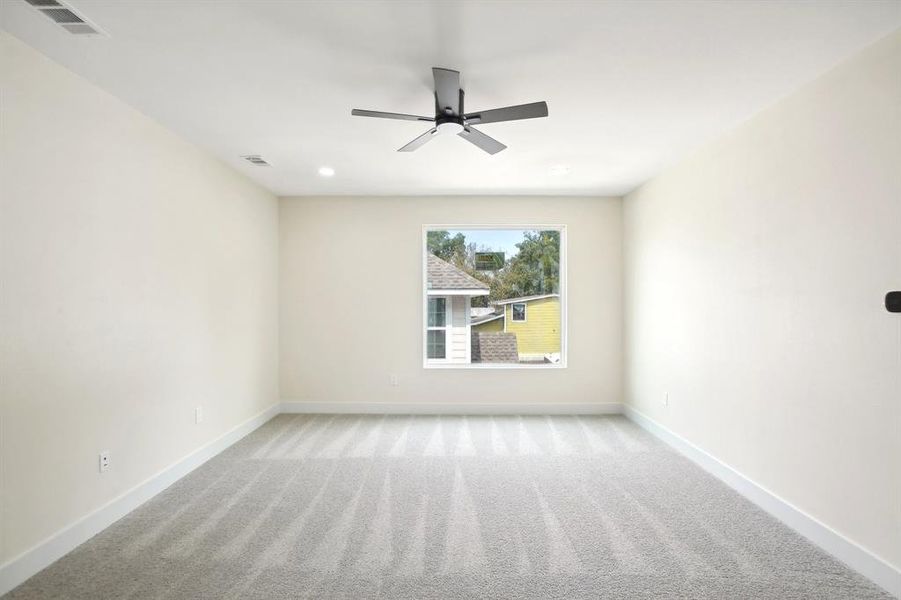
449,293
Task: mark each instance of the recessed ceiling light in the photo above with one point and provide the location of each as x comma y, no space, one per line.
326,171
559,170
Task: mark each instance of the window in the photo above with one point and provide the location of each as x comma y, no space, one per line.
437,344
437,328
494,296
518,311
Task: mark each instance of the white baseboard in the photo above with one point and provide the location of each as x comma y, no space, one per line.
424,408
20,568
861,560
42,555
30,562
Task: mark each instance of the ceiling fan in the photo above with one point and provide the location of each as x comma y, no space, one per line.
451,119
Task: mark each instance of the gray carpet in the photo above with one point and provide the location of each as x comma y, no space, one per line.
447,507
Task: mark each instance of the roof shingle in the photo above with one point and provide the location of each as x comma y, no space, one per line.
444,276
494,347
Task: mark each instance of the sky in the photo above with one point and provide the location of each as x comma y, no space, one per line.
499,240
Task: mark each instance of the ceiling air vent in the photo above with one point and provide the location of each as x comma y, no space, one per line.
64,16
80,29
256,159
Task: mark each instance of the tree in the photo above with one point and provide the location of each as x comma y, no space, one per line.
534,270
445,247
540,250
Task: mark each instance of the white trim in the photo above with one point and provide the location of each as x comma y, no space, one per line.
492,318
855,556
467,320
524,299
564,296
470,292
30,562
40,556
453,408
432,364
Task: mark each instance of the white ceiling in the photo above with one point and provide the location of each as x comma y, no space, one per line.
631,86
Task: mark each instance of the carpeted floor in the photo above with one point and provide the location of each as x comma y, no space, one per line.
447,507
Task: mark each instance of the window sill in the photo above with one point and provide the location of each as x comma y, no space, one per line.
494,366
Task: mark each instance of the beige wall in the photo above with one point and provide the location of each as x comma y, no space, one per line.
755,276
351,301
139,281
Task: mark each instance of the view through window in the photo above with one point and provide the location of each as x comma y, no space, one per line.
494,296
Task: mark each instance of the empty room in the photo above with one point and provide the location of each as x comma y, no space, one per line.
440,299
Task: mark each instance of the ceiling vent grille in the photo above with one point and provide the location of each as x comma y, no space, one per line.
80,29
256,160
64,16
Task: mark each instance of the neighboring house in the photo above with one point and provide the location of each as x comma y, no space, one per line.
494,347
449,291
536,322
488,322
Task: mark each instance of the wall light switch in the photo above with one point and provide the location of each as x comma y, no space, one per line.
198,414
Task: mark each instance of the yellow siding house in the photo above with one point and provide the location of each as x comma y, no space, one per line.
536,322
488,322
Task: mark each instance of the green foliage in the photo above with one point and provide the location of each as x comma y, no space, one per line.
536,267
445,247
534,270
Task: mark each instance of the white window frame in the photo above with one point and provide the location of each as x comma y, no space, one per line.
448,319
564,299
525,312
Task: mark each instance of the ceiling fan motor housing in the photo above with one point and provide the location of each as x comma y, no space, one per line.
451,125
447,120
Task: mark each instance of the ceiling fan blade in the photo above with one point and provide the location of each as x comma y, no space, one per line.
509,113
485,142
421,140
447,91
357,112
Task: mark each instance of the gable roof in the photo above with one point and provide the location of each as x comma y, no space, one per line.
442,275
525,299
485,318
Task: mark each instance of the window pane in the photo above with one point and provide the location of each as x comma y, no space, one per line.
435,344
437,312
519,312
505,284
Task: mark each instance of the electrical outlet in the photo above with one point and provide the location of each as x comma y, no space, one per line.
393,380
104,461
198,415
